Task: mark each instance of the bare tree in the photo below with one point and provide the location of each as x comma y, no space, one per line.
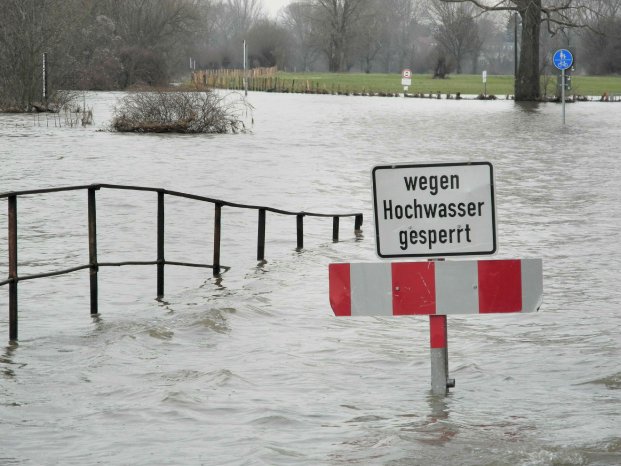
405,22
297,18
232,20
268,44
387,34
28,28
372,35
556,14
496,54
243,14
337,22
602,40
150,35
455,31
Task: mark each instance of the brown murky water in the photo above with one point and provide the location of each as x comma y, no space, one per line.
253,368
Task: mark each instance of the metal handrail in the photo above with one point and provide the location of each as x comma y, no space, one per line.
94,265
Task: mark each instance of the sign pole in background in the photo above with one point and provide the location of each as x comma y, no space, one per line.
44,78
245,77
563,93
562,60
406,79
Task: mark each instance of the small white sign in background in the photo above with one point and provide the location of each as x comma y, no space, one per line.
406,77
431,210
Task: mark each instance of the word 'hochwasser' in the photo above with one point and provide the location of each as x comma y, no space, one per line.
416,210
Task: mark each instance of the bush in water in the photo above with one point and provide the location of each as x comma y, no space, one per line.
168,111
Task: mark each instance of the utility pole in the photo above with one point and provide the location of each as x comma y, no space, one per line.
245,80
44,79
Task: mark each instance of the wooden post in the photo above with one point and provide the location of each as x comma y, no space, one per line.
217,224
261,236
335,229
160,244
13,268
300,230
92,249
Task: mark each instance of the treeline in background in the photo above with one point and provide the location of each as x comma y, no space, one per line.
116,44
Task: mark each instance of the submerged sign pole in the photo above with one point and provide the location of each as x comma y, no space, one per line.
438,342
433,211
563,59
563,93
436,289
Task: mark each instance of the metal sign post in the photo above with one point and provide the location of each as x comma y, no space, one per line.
563,93
433,211
44,78
484,77
406,79
563,59
245,79
436,289
438,339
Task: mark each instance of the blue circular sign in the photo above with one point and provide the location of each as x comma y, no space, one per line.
563,59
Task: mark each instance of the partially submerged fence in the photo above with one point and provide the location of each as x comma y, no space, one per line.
94,265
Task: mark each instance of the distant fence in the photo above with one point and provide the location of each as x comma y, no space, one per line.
94,265
230,78
267,80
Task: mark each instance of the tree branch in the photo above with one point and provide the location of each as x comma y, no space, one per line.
497,7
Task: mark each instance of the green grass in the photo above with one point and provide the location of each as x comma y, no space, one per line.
464,83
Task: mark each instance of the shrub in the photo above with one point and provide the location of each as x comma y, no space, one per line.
164,111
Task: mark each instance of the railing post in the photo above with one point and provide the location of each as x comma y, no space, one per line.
261,236
217,225
13,268
300,230
335,229
92,249
358,224
160,244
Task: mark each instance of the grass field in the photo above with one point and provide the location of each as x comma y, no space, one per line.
464,83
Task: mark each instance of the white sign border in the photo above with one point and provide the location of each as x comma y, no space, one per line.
428,165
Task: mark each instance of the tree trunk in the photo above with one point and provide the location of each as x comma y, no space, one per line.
333,55
527,85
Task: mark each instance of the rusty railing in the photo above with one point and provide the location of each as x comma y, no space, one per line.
94,265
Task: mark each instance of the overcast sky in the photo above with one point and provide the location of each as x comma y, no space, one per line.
272,6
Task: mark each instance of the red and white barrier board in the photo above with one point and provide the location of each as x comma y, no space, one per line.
436,288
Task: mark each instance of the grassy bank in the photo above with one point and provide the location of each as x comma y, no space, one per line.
465,83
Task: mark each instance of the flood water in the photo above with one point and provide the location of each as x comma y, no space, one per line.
252,368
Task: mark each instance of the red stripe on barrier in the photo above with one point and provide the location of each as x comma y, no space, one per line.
413,288
437,331
340,289
500,286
